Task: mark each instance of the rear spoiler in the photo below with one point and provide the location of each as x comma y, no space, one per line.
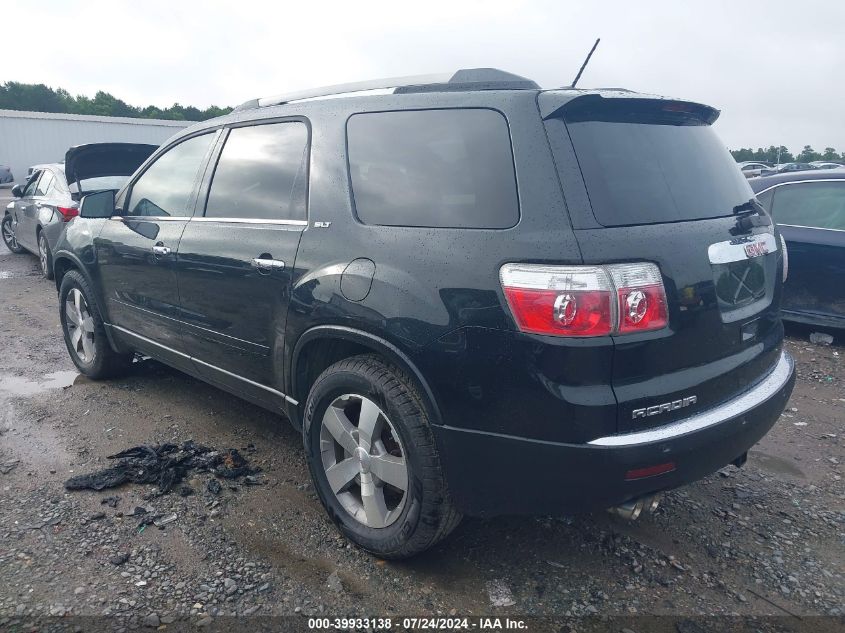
623,106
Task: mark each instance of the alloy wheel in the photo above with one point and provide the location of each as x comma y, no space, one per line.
42,254
9,235
364,460
80,325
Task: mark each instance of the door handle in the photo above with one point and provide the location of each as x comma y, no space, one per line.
161,250
267,264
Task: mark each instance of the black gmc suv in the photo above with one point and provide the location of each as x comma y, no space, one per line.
473,296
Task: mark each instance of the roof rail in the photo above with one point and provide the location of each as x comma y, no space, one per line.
464,79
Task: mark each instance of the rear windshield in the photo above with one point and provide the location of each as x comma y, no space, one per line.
103,182
648,162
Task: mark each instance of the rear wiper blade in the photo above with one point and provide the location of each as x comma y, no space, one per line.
746,207
751,214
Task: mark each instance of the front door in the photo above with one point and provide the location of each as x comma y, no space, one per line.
236,258
136,250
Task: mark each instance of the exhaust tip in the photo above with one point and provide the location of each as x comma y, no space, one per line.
631,510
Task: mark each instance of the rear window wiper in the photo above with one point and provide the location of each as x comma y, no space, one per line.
751,214
746,207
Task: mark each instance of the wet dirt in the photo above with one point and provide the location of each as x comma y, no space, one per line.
20,386
773,528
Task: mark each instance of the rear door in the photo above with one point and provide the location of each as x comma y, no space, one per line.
54,196
811,218
25,212
647,180
236,257
136,249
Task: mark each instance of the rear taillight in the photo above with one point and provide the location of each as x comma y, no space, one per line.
68,213
641,297
585,300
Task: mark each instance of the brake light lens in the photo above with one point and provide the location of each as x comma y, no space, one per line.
641,297
68,213
585,300
559,300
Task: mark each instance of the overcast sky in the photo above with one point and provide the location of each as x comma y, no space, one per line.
774,68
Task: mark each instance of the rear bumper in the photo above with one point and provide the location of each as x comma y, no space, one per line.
491,474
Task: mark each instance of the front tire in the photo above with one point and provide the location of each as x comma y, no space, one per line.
45,256
84,332
373,459
8,233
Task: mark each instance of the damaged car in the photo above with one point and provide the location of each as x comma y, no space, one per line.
470,295
50,197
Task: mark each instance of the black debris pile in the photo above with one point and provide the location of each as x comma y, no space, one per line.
165,465
111,501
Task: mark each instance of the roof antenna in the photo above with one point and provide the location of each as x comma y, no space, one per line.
586,61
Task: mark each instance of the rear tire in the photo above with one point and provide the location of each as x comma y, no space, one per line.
45,256
84,332
383,432
8,233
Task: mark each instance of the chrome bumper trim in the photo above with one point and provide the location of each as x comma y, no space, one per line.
752,398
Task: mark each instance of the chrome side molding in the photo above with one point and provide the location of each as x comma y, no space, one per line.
202,362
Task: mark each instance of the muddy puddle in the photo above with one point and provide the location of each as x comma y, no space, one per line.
21,386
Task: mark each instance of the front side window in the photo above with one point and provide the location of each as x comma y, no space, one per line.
814,204
433,168
261,173
165,188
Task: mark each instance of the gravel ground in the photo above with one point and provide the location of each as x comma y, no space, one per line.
766,539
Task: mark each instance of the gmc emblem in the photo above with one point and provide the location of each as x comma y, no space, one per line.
755,249
666,407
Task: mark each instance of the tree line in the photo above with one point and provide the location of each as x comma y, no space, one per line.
41,98
770,155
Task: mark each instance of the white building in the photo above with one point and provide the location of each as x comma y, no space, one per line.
31,138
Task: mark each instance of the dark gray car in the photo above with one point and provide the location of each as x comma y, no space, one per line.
809,208
35,219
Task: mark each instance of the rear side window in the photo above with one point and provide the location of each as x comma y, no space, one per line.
814,204
433,168
261,173
29,190
649,162
44,184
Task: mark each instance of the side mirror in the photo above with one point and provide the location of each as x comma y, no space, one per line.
97,205
17,191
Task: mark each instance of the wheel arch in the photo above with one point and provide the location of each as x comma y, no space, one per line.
63,263
323,345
